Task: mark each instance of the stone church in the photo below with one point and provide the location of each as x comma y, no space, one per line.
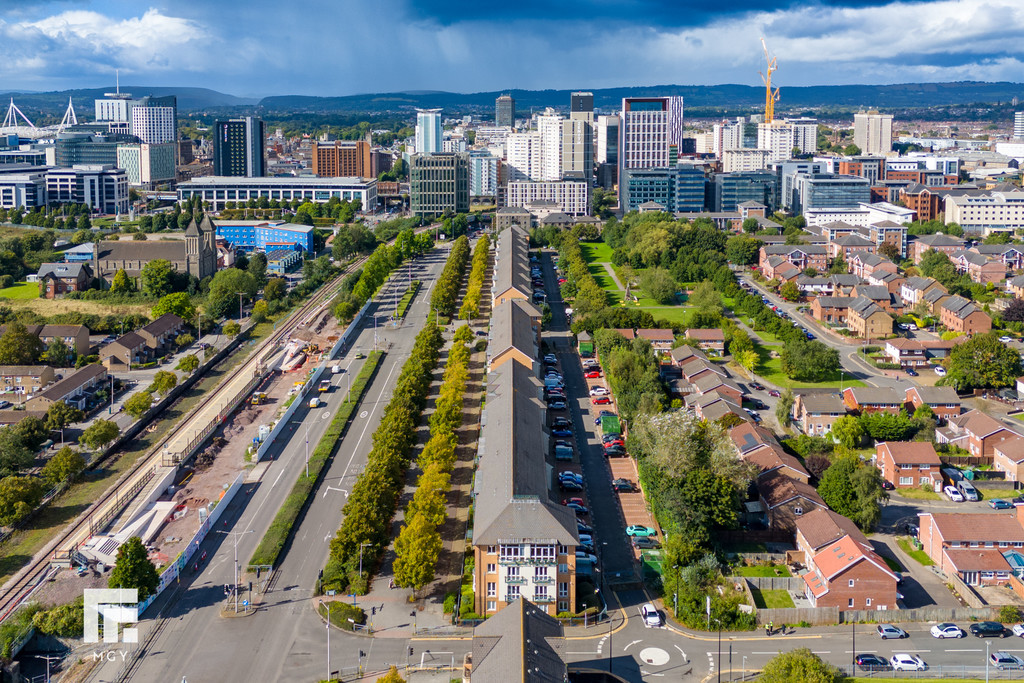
195,255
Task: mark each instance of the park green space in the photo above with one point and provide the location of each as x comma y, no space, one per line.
21,290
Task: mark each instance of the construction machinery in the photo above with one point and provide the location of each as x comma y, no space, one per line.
259,398
770,96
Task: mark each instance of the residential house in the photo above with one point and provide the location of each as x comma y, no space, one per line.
867,319
976,432
127,350
778,268
843,569
24,380
75,389
521,643
873,399
908,353
914,288
512,338
1009,458
957,314
709,382
889,231
934,299
878,294
814,413
981,268
747,437
946,244
974,547
1015,286
511,278
815,286
683,354
909,464
696,369
75,337
1011,255
843,283
57,279
832,310
713,406
943,401
710,340
863,264
848,245
893,282
161,333
803,256
771,458
661,340
785,500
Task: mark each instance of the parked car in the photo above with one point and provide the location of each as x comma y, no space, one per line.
550,358
1005,339
593,374
988,629
604,413
1004,661
556,405
774,393
561,431
601,401
953,493
645,543
756,387
623,485
1000,504
1018,501
650,615
640,530
583,528
580,510
947,630
609,438
911,372
598,391
569,474
615,451
940,371
907,662
570,485
887,631
872,663
580,555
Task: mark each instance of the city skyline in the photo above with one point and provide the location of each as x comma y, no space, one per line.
395,45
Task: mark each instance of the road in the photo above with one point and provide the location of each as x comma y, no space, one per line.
285,640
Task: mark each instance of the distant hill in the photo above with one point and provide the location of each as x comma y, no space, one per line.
903,95
54,103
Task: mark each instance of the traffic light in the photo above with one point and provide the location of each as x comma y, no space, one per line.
373,611
361,654
410,650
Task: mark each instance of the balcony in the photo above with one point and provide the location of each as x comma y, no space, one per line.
515,580
541,599
510,597
541,580
527,561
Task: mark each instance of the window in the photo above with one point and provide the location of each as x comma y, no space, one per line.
540,593
798,511
492,605
925,480
513,593
491,550
491,567
540,572
512,572
850,583
867,602
563,589
849,603
906,481
563,607
511,552
492,589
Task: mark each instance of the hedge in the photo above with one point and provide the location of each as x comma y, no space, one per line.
447,288
272,543
406,300
471,302
341,612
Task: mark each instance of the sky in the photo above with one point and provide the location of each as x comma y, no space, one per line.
255,48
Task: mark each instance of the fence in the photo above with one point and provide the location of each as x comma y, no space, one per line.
954,671
815,616
762,558
773,583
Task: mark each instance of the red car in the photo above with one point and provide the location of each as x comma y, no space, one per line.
615,442
601,400
578,501
593,374
561,280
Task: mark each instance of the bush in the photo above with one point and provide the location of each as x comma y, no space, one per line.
449,603
340,613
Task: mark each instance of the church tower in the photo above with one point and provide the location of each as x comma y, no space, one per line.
193,247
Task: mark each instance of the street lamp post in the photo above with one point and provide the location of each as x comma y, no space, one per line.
237,535
307,450
719,650
743,675
361,546
328,641
48,658
240,295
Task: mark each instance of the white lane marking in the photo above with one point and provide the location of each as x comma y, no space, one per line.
279,475
685,658
631,645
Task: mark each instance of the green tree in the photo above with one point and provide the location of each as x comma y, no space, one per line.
222,301
83,222
258,268
138,404
99,434
848,431
800,666
18,497
838,267
851,150
58,355
18,346
416,551
853,488
981,362
659,285
706,298
122,284
931,261
134,569
32,431
889,251
784,408
232,329
65,621
259,311
14,455
742,250
789,291
809,360
178,303
64,464
157,278
275,289
184,340
751,226
188,363
59,415
164,381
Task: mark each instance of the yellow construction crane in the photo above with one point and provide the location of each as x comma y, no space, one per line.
770,96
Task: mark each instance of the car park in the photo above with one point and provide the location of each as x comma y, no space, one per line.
1000,504
872,663
907,662
640,530
1004,661
649,613
953,494
601,401
988,629
887,631
645,543
947,630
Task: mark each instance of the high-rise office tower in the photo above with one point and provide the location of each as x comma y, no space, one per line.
581,103
155,120
239,148
872,132
439,183
341,159
524,156
1018,125
607,140
428,131
578,136
505,111
650,130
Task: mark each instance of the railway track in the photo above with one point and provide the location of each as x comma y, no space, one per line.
31,576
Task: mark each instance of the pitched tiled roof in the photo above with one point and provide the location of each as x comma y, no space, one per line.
519,644
977,527
886,396
777,488
822,526
978,423
910,452
771,457
714,334
944,395
977,559
747,437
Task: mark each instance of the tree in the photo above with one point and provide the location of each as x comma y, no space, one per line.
392,676
659,284
177,303
18,346
931,261
157,278
83,222
816,464
275,289
853,488
32,431
134,569
979,363
751,226
784,408
705,297
889,251
848,431
99,434
188,364
1014,312
800,666
222,301
65,463
185,339
58,354
138,404
18,497
789,291
258,267
838,267
809,360
232,328
417,549
747,358
259,311
164,381
851,150
122,284
742,250
59,415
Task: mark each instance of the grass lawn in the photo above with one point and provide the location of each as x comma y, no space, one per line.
761,570
746,547
993,493
674,314
21,290
596,251
893,564
918,494
771,370
919,555
771,599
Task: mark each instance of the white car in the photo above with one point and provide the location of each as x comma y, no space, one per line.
599,391
907,662
1018,630
953,494
1005,339
940,371
650,615
887,631
947,630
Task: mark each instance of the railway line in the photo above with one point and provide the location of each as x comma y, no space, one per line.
29,578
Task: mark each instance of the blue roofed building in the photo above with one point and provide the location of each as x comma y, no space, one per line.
256,235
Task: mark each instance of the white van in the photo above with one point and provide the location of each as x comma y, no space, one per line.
314,402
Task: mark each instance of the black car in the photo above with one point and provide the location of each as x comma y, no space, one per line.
756,387
988,629
561,422
872,663
645,543
570,485
623,485
613,451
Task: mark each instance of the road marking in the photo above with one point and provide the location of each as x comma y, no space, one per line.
584,653
631,645
279,475
959,650
685,658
